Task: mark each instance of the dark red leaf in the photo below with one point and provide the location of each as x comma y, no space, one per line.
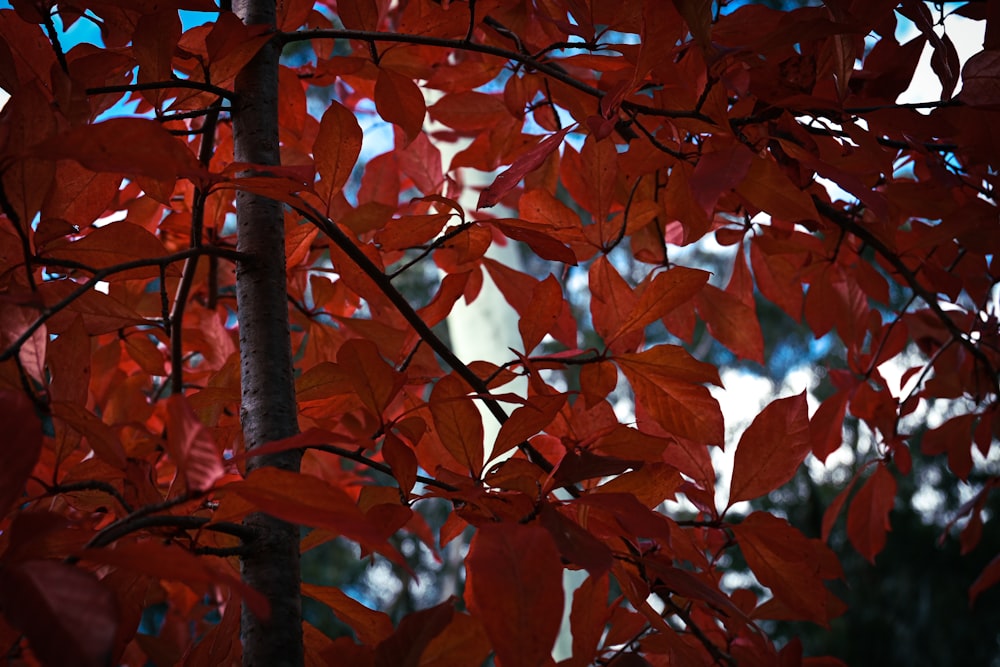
528,162
22,448
69,617
518,600
868,517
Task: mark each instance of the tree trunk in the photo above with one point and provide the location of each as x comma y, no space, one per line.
268,411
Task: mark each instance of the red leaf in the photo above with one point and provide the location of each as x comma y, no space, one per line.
415,632
666,291
16,316
399,100
110,147
528,162
717,172
519,600
336,148
788,563
666,380
469,110
462,643
955,437
575,543
833,510
771,449
358,14
868,517
22,445
732,322
612,302
546,305
768,188
375,382
527,420
191,446
827,425
989,577
981,79
113,244
168,561
69,617
402,460
310,501
587,619
370,626
458,423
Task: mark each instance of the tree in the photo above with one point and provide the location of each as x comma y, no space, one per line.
191,280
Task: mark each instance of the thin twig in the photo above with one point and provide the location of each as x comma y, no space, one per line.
46,313
848,224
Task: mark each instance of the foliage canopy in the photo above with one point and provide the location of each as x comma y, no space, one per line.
624,131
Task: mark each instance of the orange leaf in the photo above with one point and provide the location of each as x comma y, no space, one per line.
399,101
68,616
868,517
191,446
336,148
22,446
771,449
518,599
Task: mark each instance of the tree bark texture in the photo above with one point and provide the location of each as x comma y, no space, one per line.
268,409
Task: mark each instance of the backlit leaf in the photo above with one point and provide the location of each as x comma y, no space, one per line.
868,516
191,446
337,147
771,449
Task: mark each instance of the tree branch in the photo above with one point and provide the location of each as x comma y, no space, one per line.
847,223
550,69
98,276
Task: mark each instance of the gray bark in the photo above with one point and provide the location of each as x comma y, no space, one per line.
268,410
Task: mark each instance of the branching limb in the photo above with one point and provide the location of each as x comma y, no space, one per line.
98,276
848,224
